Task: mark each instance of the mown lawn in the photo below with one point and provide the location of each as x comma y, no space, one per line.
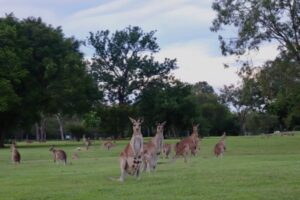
252,168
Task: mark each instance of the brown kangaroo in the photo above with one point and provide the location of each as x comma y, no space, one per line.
87,143
58,155
15,155
167,150
186,145
109,144
220,147
75,156
131,156
153,148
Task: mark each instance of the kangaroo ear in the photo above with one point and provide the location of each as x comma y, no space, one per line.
164,123
132,120
141,120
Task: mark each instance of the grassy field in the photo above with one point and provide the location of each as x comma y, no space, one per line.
252,168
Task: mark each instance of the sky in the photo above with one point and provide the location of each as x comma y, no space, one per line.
183,31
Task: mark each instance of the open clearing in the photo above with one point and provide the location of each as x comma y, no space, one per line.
253,168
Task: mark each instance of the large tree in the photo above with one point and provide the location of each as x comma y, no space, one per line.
124,64
41,72
256,21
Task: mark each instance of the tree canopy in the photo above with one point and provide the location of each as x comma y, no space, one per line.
41,71
123,63
257,21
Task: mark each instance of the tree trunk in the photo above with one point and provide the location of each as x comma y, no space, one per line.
43,129
61,126
37,132
40,129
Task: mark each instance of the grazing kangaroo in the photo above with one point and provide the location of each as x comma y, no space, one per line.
131,156
109,144
167,150
15,155
153,148
75,156
220,146
189,144
58,155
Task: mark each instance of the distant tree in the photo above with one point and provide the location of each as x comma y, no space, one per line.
123,62
202,87
257,21
41,73
260,122
243,99
114,120
280,86
171,102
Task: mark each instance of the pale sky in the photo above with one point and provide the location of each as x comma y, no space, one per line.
182,30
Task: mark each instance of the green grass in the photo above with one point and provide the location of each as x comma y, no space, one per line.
252,168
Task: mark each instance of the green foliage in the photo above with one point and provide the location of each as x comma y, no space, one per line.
91,119
115,121
182,105
256,21
41,71
123,62
77,130
258,123
168,102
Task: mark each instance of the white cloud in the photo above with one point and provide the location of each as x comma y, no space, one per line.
24,11
107,8
197,63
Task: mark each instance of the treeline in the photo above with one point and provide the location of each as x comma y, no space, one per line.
48,89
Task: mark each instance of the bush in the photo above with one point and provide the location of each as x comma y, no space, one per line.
77,130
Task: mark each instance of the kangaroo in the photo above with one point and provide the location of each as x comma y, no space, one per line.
131,156
15,155
167,150
220,147
75,156
87,143
109,144
58,155
187,145
153,148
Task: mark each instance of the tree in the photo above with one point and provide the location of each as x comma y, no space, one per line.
171,102
280,87
243,99
42,73
257,21
123,63
202,87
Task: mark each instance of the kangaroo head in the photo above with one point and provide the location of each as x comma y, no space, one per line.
136,125
195,129
223,137
160,128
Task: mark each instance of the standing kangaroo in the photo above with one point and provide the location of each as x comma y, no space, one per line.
153,148
131,156
87,143
15,155
220,146
186,145
58,155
